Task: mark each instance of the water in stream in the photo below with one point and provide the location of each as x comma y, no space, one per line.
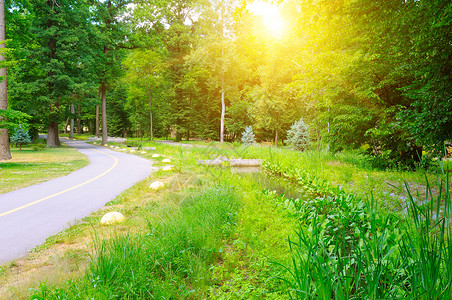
270,183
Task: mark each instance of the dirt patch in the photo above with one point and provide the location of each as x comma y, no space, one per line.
54,265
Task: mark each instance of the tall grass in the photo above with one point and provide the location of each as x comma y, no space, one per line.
350,251
170,261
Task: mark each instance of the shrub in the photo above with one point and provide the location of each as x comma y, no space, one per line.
20,137
298,136
38,147
248,136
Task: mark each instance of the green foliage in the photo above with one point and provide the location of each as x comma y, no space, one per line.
20,137
347,248
52,61
118,121
298,136
248,136
10,119
38,147
429,117
171,261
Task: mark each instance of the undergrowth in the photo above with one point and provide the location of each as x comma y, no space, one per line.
345,248
171,260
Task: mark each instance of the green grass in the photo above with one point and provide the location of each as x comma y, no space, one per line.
217,235
28,167
171,260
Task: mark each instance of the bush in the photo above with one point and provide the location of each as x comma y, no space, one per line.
248,136
38,147
20,137
298,136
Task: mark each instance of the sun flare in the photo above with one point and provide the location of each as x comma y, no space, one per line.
271,15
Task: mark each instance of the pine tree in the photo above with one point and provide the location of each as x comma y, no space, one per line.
54,63
20,137
298,136
248,136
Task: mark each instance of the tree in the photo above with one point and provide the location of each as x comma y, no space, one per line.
429,59
118,116
113,39
54,62
248,136
5,152
20,137
145,71
298,136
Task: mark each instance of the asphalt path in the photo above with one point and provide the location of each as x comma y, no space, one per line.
30,215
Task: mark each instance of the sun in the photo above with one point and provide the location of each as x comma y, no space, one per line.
271,15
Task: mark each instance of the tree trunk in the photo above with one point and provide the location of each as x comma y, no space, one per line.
53,140
150,113
5,152
97,121
223,106
66,125
79,121
71,131
103,90
276,137
223,110
318,138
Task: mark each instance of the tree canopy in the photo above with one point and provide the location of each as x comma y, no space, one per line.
361,74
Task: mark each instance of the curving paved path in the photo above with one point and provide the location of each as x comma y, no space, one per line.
29,215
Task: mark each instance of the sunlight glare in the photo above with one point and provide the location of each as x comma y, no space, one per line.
271,15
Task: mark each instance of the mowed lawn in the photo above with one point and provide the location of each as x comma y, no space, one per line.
29,167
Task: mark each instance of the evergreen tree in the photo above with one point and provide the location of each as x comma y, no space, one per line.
53,67
248,136
114,39
298,136
20,137
118,117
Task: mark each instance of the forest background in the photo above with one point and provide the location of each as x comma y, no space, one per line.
362,74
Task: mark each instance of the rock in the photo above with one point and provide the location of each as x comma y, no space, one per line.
105,145
167,168
112,217
131,151
166,160
157,185
149,148
155,155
